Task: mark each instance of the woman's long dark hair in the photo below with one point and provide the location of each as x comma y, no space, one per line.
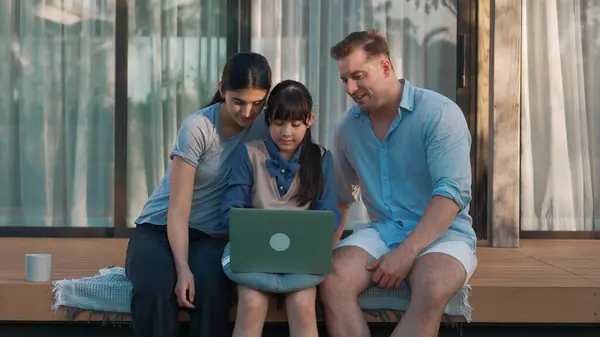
291,101
243,71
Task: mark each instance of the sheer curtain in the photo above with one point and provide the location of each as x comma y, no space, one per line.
176,52
296,37
56,112
560,160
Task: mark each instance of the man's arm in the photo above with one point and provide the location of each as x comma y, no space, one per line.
436,220
447,146
344,217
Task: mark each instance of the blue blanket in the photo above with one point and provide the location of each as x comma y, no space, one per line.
110,292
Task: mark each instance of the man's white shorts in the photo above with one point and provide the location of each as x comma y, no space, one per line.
369,240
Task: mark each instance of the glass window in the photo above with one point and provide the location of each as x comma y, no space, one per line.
560,158
176,52
296,37
56,113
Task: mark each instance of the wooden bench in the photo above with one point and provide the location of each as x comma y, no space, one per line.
542,282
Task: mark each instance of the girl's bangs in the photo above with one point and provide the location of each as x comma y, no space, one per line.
289,108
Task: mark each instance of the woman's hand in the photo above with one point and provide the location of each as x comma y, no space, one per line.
184,289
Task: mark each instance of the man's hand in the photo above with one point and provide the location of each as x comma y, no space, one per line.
392,268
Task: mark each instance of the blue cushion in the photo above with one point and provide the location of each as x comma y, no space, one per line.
270,283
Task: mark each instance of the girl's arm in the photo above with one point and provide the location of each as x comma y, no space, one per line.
239,188
328,200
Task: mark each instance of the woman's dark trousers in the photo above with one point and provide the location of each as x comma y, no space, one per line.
151,268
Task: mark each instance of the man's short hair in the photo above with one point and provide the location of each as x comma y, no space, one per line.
371,41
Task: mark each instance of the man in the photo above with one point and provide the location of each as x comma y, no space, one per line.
406,150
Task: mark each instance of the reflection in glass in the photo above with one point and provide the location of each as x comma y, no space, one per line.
56,113
177,50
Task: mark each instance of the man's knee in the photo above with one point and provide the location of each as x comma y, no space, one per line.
332,287
435,278
349,276
432,294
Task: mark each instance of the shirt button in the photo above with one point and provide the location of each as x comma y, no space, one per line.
280,187
282,171
385,177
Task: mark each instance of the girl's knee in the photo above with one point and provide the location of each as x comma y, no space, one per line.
252,300
302,301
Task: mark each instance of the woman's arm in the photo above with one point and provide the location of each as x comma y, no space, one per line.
187,153
328,200
180,203
239,186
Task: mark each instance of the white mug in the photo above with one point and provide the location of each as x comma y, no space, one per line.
38,267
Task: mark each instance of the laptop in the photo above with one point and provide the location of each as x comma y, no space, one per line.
281,241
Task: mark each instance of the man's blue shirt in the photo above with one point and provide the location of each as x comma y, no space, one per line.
426,152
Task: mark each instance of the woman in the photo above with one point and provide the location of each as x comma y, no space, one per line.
174,254
285,170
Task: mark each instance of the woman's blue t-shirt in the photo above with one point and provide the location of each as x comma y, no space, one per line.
201,144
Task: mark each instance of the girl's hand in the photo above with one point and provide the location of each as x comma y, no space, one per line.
184,289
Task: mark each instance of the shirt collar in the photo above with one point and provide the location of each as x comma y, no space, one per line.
407,102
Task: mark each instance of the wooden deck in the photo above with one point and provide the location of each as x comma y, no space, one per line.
544,281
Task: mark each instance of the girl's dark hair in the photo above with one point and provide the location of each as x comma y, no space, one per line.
243,71
291,101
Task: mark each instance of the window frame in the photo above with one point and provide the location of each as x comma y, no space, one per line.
560,235
467,99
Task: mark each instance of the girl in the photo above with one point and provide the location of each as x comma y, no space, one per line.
173,256
285,170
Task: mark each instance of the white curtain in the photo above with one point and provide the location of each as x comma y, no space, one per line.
177,50
56,112
296,35
57,87
560,140
57,101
